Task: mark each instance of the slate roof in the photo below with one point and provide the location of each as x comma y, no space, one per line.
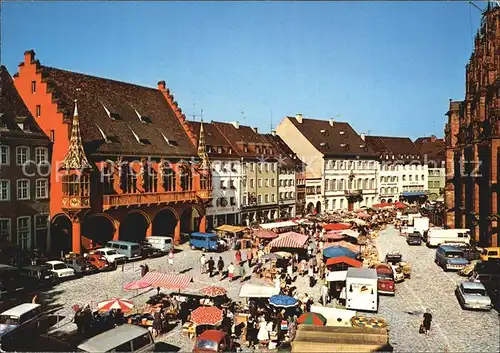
337,140
245,136
213,139
432,148
124,102
287,158
13,111
402,148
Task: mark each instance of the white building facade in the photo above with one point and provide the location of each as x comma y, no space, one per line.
226,182
286,191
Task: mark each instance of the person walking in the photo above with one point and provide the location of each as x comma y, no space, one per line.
324,294
220,267
249,256
203,263
171,256
237,257
230,271
243,273
211,266
427,322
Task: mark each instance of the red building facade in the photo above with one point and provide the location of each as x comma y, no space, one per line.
473,140
124,161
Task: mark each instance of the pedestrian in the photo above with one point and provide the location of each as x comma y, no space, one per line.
35,300
211,266
230,271
157,290
310,273
243,273
237,257
143,270
146,269
171,256
220,267
324,294
157,324
427,322
203,263
249,256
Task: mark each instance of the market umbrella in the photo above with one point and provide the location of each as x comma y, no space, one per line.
114,303
214,291
343,244
283,301
136,285
315,319
206,315
334,235
336,226
284,254
265,234
337,251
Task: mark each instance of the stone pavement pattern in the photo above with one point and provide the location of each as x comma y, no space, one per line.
431,287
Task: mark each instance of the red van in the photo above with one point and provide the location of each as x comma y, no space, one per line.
385,275
213,341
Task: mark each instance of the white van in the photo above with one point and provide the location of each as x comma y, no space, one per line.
436,237
162,243
421,224
361,289
124,338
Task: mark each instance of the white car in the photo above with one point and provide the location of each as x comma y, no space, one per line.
60,269
111,255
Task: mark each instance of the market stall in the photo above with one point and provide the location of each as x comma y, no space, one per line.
289,240
279,225
253,290
336,226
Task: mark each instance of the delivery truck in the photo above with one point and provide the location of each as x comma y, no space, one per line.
421,224
361,289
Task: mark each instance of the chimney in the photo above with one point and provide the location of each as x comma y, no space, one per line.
29,56
255,130
298,116
273,132
331,121
433,138
362,135
162,85
236,124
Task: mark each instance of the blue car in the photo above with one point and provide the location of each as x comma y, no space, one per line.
450,258
205,241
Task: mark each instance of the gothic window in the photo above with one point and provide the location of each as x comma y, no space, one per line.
169,179
131,182
107,180
186,178
152,181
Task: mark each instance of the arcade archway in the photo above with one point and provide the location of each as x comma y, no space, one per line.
99,229
134,226
61,234
164,223
318,207
310,207
190,220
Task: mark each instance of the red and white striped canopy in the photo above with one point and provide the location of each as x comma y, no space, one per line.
166,280
290,240
124,305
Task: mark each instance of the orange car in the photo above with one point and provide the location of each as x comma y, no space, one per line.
100,262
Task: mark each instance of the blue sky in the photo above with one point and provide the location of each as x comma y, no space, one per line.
388,68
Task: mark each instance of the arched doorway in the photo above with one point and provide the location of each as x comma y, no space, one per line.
134,226
318,207
389,201
190,220
97,229
382,201
61,231
164,222
310,207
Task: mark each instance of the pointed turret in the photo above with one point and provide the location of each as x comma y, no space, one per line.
75,158
202,149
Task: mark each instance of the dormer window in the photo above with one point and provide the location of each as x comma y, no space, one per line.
270,151
142,119
342,132
138,139
323,144
362,146
245,148
169,142
111,115
343,145
322,131
230,150
219,149
105,137
209,149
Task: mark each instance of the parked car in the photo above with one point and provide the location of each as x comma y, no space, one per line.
472,295
60,269
40,273
163,243
148,250
127,248
414,238
450,258
12,284
80,265
213,341
17,322
385,276
123,338
205,241
100,262
111,256
490,253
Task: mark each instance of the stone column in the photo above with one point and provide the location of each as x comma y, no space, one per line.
177,232
203,224
493,228
149,230
76,236
116,235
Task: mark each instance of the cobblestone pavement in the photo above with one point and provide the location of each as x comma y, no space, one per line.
95,288
453,329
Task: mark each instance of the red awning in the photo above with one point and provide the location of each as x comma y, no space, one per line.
166,280
399,205
336,226
335,235
344,259
382,205
290,240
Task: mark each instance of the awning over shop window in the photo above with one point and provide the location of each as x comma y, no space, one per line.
166,280
290,240
413,193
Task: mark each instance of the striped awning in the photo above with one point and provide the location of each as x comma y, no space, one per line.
166,280
290,240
